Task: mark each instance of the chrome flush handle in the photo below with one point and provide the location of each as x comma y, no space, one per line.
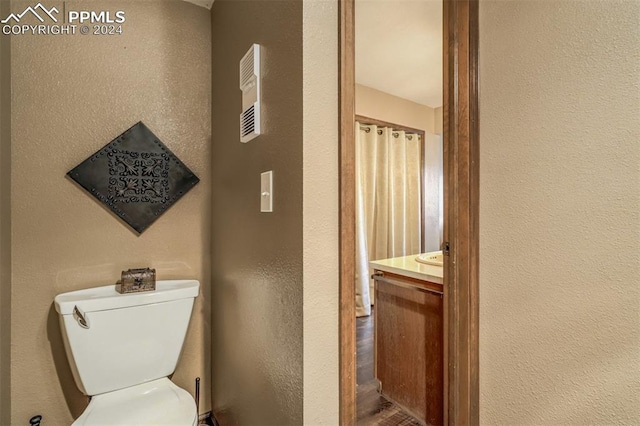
80,316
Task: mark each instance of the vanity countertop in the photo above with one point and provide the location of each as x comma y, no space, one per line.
409,267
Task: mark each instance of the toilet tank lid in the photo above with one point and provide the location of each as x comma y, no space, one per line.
107,298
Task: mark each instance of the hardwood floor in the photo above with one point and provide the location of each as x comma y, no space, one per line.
372,408
364,349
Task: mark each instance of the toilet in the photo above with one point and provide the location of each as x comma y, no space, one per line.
122,348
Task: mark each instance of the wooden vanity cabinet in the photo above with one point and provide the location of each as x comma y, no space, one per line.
409,344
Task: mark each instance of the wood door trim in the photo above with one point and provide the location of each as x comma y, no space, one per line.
461,210
347,314
461,206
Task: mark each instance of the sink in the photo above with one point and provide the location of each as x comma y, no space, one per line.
432,258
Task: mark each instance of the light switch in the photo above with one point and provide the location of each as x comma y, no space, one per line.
266,192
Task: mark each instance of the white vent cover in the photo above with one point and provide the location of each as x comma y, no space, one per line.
250,86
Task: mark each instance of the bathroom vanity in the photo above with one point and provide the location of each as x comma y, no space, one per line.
408,335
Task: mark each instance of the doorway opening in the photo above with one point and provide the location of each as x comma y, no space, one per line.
460,234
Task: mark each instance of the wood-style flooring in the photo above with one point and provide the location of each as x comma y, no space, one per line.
373,408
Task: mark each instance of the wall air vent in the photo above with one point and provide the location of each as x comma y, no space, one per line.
250,86
248,123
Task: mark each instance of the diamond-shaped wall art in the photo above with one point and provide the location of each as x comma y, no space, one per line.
135,176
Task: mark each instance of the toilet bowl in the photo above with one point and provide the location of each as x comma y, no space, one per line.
122,348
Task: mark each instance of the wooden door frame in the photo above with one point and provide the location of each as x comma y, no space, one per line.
461,210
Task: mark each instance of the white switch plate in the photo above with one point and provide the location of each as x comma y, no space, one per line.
266,192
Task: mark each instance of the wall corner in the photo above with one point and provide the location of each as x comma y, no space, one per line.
5,223
320,212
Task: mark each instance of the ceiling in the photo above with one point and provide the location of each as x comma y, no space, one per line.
399,48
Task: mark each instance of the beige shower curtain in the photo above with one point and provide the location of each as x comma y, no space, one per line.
388,201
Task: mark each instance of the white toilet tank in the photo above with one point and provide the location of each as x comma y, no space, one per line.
114,341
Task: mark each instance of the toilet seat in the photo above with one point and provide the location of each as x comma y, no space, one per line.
155,403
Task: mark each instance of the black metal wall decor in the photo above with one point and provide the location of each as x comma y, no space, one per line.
135,176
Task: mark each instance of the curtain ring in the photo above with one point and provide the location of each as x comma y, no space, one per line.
395,134
379,132
409,137
367,129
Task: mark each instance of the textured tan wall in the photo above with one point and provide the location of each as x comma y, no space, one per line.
373,103
257,257
559,213
438,120
71,95
5,223
321,211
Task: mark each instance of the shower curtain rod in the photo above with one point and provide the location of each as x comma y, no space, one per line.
394,132
374,122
